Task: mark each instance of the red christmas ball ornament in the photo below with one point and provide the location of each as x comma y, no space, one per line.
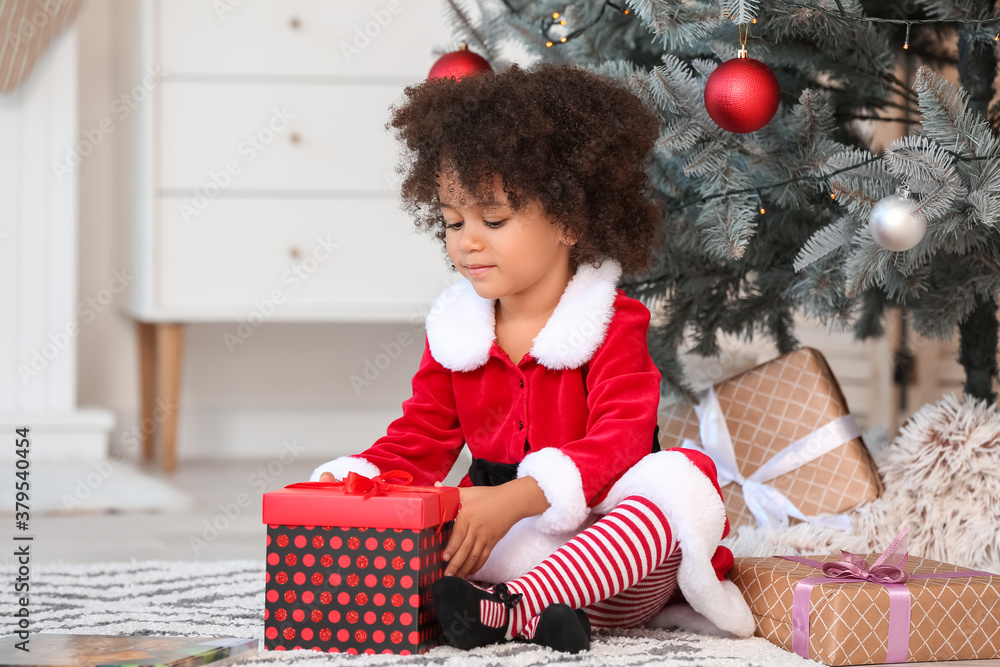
742,94
458,64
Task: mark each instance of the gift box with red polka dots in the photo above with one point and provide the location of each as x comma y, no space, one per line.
351,573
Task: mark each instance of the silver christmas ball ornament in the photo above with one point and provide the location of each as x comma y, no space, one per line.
893,224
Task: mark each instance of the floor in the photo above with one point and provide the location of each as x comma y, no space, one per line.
224,524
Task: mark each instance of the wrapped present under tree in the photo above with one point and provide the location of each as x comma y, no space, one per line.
841,611
783,441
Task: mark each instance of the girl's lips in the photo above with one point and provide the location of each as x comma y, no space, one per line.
477,270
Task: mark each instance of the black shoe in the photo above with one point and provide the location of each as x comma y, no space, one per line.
563,628
456,602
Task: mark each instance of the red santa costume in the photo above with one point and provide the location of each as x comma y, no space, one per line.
577,414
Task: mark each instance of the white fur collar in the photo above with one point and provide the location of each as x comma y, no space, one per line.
461,325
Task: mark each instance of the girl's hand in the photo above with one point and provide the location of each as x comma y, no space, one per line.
327,477
485,516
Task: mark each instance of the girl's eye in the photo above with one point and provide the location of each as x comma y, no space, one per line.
489,223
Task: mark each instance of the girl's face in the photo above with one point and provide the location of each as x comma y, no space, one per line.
500,252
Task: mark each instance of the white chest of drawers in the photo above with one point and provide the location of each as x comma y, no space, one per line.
257,179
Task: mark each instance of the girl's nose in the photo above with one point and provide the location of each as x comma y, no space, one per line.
471,239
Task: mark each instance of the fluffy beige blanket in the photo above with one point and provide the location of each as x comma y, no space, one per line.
941,477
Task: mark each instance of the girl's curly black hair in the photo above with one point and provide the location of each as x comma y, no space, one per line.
574,140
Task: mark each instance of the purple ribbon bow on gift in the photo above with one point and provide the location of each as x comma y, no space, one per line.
888,569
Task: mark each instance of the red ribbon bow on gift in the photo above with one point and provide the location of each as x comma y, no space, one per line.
888,569
359,485
377,485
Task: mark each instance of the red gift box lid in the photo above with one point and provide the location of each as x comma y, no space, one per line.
330,504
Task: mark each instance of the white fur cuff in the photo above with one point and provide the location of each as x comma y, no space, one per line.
340,467
560,481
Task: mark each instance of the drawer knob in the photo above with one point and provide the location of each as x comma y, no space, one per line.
294,23
294,252
294,137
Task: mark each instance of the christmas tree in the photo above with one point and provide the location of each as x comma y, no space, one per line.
800,214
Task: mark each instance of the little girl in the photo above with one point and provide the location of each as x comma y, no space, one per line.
535,181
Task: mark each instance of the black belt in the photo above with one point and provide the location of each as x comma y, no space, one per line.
489,473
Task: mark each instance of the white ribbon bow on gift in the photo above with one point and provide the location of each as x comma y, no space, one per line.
769,506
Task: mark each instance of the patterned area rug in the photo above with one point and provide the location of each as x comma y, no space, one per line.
226,598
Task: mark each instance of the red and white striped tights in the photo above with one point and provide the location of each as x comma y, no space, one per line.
621,571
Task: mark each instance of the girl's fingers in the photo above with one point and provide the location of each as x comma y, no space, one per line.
454,553
481,561
470,560
456,562
457,537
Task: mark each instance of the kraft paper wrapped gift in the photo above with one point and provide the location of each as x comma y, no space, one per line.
942,612
783,441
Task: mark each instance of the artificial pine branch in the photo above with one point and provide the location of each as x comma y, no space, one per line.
740,11
823,242
477,37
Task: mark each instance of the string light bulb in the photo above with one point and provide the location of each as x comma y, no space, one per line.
760,203
906,43
556,19
833,195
